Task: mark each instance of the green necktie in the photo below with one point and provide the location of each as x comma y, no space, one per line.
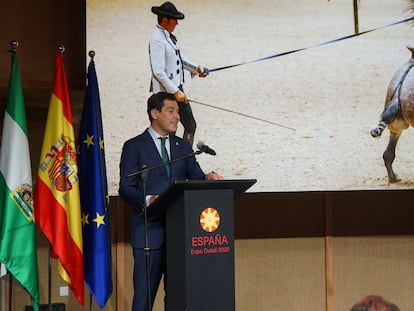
164,154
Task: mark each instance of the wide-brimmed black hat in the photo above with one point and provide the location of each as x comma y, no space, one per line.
167,9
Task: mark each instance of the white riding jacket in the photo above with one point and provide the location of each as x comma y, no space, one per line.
167,63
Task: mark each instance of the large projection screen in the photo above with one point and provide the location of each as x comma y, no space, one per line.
298,122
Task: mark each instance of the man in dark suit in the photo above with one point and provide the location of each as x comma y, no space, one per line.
146,149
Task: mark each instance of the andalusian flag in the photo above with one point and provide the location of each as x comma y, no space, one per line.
94,195
57,200
17,229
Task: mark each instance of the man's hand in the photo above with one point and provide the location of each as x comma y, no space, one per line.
180,97
214,176
152,199
202,73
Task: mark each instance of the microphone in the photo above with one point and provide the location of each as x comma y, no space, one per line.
204,148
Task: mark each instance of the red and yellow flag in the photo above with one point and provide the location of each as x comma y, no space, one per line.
57,199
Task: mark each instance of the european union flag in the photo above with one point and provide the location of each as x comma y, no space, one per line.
94,195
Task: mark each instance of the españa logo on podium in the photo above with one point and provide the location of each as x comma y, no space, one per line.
209,243
210,219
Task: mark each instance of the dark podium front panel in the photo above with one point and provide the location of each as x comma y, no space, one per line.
200,245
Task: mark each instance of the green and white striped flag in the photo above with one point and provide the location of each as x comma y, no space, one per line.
17,229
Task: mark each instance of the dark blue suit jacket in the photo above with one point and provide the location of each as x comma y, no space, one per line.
136,153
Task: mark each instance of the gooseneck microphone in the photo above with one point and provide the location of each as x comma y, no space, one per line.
204,148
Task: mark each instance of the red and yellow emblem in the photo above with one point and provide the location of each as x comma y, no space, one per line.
209,219
61,160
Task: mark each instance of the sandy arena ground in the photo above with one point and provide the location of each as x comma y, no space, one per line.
320,103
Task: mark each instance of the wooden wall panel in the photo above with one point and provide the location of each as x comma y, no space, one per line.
373,265
40,27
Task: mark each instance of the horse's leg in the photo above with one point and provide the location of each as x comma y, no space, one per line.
389,155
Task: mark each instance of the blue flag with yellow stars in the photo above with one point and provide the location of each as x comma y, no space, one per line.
94,195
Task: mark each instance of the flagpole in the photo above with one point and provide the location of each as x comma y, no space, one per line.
61,49
17,237
3,294
56,198
93,194
13,48
49,283
91,55
10,291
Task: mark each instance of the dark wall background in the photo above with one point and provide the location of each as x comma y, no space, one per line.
319,214
40,27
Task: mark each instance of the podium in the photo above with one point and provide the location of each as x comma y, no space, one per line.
200,243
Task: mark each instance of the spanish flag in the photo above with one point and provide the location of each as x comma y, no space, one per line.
57,198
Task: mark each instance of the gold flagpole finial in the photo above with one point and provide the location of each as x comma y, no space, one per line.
13,46
91,54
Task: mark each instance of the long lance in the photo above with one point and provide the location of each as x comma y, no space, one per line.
243,115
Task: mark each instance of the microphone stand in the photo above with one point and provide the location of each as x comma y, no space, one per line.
144,176
144,167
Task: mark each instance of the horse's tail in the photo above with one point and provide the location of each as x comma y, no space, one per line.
376,132
391,112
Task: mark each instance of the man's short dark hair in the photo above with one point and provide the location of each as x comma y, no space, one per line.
156,101
374,302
